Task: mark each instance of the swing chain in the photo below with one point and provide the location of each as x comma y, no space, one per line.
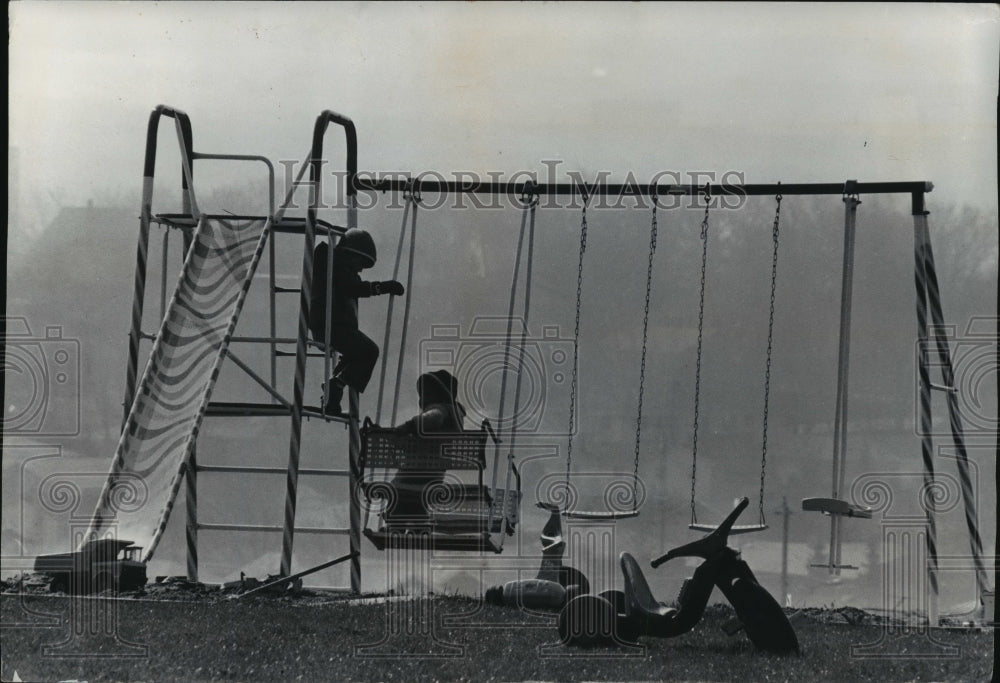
701,328
770,338
574,379
642,364
529,195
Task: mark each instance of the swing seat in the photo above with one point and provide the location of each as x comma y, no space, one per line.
588,514
738,529
728,523
462,516
833,506
459,528
600,515
410,539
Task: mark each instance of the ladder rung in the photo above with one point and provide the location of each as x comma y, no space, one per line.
238,469
314,411
319,530
217,408
942,387
181,220
288,354
297,225
268,528
224,409
281,290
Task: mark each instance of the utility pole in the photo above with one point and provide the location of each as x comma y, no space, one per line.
785,513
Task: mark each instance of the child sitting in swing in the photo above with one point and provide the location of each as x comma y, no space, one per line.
440,412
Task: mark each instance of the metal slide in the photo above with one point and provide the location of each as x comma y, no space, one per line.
163,421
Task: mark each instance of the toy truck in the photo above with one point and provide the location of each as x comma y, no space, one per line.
100,565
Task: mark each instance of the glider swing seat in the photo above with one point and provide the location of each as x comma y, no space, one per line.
732,528
606,515
835,506
470,517
459,516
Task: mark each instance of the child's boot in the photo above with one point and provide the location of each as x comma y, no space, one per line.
334,393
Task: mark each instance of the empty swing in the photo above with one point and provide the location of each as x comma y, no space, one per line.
762,522
457,516
635,493
835,506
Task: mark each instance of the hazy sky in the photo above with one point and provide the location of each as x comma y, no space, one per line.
791,92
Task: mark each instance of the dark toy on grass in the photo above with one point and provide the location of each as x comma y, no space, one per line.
627,615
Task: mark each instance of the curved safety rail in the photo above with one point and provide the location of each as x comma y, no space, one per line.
139,288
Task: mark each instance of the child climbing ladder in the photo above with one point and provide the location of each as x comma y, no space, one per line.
335,319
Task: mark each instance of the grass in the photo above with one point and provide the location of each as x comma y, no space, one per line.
320,638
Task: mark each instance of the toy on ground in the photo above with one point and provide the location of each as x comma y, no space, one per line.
624,616
555,583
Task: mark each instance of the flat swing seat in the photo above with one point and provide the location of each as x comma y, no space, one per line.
599,515
728,523
589,514
737,529
834,506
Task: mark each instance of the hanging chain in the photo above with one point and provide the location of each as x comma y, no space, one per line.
529,199
576,343
642,364
407,188
697,367
770,338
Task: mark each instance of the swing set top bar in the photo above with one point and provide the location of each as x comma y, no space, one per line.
635,189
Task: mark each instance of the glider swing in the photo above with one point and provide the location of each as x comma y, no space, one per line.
635,494
835,506
762,523
457,516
